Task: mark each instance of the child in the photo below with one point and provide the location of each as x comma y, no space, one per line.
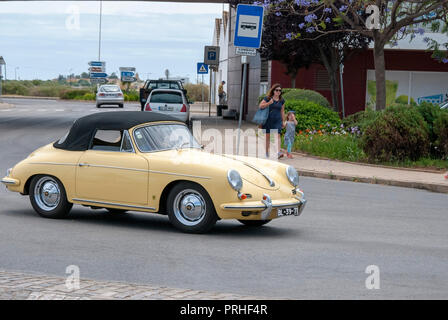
290,133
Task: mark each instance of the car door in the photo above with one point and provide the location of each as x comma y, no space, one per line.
111,172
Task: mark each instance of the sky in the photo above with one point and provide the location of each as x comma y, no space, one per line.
47,38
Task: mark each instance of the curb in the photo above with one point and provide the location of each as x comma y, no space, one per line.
30,97
6,105
439,188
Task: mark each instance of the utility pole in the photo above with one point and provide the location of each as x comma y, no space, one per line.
99,37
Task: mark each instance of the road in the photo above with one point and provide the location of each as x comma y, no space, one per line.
322,254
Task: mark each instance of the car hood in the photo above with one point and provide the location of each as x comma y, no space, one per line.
263,173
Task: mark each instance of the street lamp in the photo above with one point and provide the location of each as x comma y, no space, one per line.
15,72
2,63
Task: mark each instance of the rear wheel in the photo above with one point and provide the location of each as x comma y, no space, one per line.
98,105
120,105
190,208
254,223
48,197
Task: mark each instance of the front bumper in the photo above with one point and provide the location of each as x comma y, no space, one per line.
265,207
10,181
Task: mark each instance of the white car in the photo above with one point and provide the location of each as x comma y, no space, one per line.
444,105
109,94
169,101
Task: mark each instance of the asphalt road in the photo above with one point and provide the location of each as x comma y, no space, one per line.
322,254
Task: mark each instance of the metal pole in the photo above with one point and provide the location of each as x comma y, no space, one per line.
243,91
1,80
202,91
210,94
341,71
99,38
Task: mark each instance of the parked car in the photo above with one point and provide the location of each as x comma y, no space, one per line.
109,94
150,85
151,162
444,105
169,101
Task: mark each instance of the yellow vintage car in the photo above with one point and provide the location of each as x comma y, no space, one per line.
143,161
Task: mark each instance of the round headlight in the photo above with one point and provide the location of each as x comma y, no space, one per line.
235,180
292,175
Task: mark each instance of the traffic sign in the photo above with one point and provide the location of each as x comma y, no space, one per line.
246,51
97,63
97,69
127,74
249,26
211,55
98,75
202,68
98,80
131,69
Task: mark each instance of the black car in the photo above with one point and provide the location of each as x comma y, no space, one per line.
158,84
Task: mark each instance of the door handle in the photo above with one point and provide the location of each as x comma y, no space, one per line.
83,165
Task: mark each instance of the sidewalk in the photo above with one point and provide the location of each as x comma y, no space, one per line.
28,286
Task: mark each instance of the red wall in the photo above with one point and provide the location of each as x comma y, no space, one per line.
355,74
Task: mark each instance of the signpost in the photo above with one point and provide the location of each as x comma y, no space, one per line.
247,38
97,71
127,74
202,69
2,63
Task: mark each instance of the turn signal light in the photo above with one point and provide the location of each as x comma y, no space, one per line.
265,198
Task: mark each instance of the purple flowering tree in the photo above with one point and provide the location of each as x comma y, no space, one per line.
293,40
385,21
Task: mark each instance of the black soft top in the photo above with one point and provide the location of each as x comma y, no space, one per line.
82,131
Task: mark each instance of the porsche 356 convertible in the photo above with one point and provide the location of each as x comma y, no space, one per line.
135,161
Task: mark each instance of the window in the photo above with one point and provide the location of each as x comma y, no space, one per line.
166,97
126,144
62,140
107,140
164,137
110,89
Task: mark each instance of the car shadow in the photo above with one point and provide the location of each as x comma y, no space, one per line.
158,223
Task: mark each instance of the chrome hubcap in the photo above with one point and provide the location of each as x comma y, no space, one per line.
189,207
47,193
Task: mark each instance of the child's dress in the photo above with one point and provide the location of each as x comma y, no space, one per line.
290,134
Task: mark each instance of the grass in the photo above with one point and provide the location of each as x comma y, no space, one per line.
346,148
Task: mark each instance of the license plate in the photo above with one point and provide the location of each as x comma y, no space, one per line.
288,212
166,108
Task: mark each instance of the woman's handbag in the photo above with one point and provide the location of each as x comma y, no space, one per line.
261,116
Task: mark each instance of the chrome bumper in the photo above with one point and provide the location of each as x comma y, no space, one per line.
10,181
267,206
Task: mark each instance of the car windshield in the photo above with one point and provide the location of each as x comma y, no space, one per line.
164,85
110,89
166,97
164,137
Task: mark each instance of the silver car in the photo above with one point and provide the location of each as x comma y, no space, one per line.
109,94
169,101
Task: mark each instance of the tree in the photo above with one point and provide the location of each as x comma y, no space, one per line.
385,21
113,76
286,38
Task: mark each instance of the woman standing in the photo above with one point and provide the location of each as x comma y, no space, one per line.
276,117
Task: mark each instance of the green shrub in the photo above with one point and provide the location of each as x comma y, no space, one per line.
131,96
403,99
399,132
301,94
430,113
311,115
441,131
361,119
73,93
88,96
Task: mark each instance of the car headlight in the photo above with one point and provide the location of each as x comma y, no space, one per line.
234,179
8,172
292,175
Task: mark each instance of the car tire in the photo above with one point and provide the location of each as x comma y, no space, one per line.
48,197
190,208
120,105
254,223
116,211
98,105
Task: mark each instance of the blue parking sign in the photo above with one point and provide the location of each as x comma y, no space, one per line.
202,68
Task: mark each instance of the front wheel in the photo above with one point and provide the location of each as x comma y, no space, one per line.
48,197
254,223
190,208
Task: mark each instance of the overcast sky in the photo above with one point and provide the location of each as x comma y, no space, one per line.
47,38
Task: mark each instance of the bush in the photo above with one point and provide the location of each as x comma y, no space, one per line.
302,94
361,119
311,115
87,96
441,131
131,96
403,99
430,113
398,133
73,94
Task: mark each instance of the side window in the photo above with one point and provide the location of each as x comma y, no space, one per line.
107,140
126,144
